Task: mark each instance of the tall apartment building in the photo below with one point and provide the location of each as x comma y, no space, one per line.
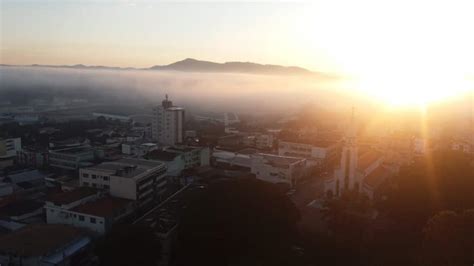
167,123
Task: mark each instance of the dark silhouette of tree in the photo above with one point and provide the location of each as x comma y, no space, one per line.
449,239
128,245
241,222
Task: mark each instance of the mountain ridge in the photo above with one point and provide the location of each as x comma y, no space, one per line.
194,65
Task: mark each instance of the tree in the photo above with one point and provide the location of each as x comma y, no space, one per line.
128,245
238,222
449,239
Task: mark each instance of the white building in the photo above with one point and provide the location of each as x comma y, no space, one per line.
9,147
133,179
316,152
84,208
71,158
229,159
277,169
138,149
180,158
264,141
167,123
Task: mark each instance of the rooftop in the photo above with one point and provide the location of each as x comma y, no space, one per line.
162,155
278,160
73,151
308,141
104,207
126,167
20,207
39,239
377,176
66,197
368,158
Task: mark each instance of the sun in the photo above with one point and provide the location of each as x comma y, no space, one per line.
402,53
412,89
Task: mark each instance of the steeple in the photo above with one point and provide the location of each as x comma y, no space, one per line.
350,135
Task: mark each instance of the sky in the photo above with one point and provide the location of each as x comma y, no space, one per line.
421,42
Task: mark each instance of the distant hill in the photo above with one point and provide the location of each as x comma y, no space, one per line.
193,65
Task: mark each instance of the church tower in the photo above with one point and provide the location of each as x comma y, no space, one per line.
346,178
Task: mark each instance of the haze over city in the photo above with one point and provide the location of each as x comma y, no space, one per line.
139,132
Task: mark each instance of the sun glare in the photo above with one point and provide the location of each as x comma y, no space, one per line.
403,53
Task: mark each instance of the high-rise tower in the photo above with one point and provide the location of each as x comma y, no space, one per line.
167,123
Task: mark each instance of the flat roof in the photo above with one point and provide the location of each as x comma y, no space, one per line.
104,207
162,155
315,143
74,150
280,160
366,159
66,197
39,239
20,207
127,167
377,176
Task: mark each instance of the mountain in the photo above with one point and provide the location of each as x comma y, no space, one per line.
193,65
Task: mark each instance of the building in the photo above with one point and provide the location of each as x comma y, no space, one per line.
22,210
361,170
81,208
26,182
133,179
277,169
317,153
231,160
31,157
121,118
44,244
9,147
138,149
264,141
167,123
180,158
71,158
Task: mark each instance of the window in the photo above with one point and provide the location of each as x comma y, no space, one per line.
94,176
94,185
106,186
92,220
85,184
106,178
81,217
85,175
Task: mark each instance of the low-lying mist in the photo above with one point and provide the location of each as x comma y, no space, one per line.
205,91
